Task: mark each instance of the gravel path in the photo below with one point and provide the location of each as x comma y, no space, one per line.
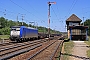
79,51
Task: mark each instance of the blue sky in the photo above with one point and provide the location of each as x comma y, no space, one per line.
37,11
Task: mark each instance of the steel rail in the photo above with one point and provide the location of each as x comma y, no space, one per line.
5,57
23,47
40,51
17,52
51,58
22,44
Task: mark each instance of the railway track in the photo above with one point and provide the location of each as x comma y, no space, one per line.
11,42
40,50
4,41
7,45
45,52
10,51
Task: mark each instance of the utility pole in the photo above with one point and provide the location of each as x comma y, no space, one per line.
83,21
5,16
22,18
49,4
31,23
17,18
36,25
4,13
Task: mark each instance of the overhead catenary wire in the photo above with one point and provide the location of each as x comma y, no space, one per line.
24,9
33,9
11,13
54,13
31,6
71,8
3,8
57,19
8,12
57,8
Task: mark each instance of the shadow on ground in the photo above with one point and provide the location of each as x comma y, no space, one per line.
85,58
83,46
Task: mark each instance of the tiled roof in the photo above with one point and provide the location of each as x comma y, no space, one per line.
73,17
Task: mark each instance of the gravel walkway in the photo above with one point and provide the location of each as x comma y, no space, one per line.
79,51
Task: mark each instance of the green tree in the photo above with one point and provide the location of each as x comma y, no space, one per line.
6,24
87,23
2,21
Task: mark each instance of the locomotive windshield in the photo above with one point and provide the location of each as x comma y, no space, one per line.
16,29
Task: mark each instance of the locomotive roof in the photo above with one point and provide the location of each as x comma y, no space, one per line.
31,28
28,27
15,26
23,27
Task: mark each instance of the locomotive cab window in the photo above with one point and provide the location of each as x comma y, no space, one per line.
15,29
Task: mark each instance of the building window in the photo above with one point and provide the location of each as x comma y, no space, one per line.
73,24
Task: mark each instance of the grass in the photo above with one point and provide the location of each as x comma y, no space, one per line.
4,36
67,49
88,53
88,43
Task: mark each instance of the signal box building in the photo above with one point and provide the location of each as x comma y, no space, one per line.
75,30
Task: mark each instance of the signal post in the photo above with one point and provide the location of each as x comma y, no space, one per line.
49,4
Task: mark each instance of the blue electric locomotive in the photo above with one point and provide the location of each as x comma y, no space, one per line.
20,33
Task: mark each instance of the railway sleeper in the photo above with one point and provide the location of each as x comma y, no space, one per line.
40,51
5,57
18,49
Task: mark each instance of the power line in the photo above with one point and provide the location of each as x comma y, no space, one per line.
54,13
32,8
5,8
8,12
71,8
57,8
23,8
